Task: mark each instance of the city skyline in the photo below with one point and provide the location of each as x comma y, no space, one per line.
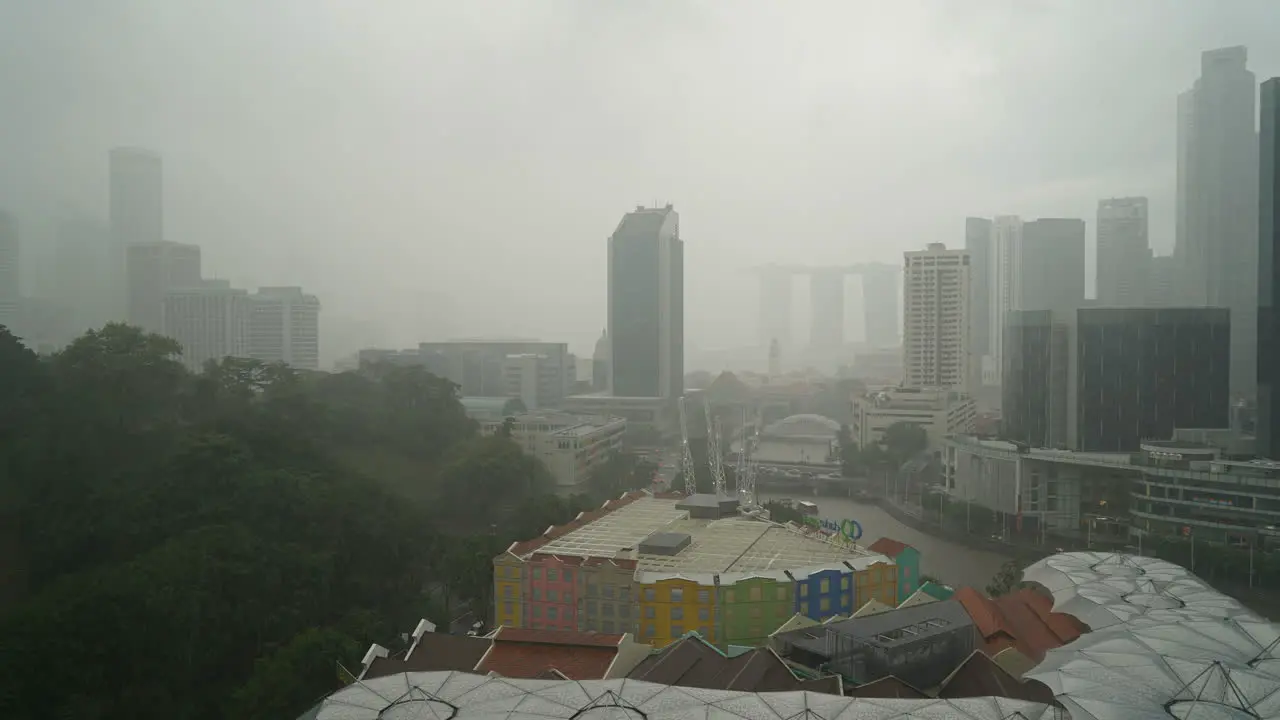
401,223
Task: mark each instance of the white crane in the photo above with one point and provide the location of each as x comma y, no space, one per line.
714,459
686,457
746,466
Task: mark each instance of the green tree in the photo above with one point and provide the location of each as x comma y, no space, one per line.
1006,580
904,441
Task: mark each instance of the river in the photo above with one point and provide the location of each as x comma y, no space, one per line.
952,564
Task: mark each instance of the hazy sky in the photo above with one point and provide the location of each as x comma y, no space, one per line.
444,168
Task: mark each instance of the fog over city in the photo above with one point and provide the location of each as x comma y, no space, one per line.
436,169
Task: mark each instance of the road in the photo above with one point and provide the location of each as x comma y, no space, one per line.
952,564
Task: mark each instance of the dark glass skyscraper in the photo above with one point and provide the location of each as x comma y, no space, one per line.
1036,382
1141,372
1268,428
646,305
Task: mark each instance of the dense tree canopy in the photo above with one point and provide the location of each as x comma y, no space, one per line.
214,545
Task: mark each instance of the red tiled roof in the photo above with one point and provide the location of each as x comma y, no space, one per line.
527,653
556,637
1021,619
888,546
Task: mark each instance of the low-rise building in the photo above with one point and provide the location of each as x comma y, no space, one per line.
571,446
938,411
210,322
649,420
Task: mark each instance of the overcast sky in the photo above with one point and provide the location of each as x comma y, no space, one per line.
436,168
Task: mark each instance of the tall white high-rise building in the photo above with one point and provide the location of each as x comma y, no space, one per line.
936,303
1124,252
210,321
284,327
155,268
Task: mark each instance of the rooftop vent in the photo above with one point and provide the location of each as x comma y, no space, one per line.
665,543
709,506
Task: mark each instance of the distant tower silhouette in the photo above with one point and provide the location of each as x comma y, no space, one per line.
775,357
600,362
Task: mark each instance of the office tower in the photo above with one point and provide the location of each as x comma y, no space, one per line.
210,321
977,240
1005,278
153,269
1124,253
1037,382
284,327
1051,271
82,254
826,307
600,363
880,304
1217,194
935,347
1164,282
1142,372
1268,424
775,305
646,305
136,215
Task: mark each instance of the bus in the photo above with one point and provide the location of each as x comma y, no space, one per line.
807,508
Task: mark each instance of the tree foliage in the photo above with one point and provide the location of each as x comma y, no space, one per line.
204,546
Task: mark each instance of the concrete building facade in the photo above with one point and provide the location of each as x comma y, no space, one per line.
571,446
1124,252
938,411
284,327
936,297
154,269
210,322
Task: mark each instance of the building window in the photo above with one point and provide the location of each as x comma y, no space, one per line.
782,593
537,611
649,613
508,608
568,576
754,594
780,611
537,595
824,585
729,596
553,613
608,591
844,582
537,573
508,591
804,590
553,596
551,575
677,613
824,604
756,613
704,614
513,572
607,626
606,609
677,595
650,595
677,631
650,630
704,596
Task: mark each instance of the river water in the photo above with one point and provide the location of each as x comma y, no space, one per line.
954,565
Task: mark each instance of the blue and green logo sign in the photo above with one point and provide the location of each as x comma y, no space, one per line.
850,530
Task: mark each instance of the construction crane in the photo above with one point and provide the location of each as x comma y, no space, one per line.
686,457
746,467
714,459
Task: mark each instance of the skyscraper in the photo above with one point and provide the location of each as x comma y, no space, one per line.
153,269
210,321
826,308
977,240
646,305
1051,267
935,345
1268,426
1005,281
136,196
10,274
1217,196
1124,252
284,327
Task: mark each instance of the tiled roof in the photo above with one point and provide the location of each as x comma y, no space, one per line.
888,546
937,590
522,653
434,651
525,547
556,637
692,662
1021,619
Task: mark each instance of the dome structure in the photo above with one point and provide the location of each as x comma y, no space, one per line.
803,426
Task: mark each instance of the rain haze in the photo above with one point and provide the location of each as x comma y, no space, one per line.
439,169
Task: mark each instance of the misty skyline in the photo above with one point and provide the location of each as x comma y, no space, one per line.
396,157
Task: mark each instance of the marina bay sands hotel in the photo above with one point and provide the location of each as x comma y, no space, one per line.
880,303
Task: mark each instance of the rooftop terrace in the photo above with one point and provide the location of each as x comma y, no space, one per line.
737,546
